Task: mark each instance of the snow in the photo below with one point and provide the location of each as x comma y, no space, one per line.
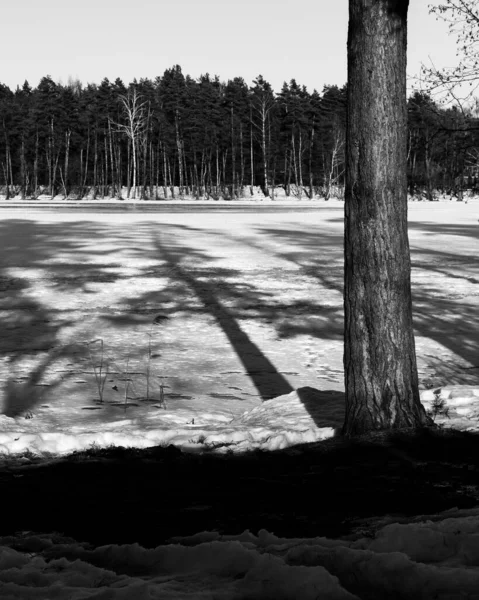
249,343
276,424
233,291
426,559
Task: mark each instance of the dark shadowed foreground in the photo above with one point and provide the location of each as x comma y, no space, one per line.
330,488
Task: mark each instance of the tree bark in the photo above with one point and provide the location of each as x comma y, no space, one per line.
251,154
310,162
106,181
112,162
35,166
263,115
165,173
95,165
233,157
85,176
241,183
7,168
381,378
179,148
67,158
23,169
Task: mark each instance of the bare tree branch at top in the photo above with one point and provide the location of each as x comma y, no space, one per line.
461,81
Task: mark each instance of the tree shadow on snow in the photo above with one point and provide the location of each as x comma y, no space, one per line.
446,314
195,285
35,254
436,229
267,380
29,340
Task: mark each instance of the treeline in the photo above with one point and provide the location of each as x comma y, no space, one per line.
443,148
175,135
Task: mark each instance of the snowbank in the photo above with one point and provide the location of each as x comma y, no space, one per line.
455,406
419,560
304,416
294,418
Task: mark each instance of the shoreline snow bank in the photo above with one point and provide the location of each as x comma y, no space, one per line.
422,560
303,416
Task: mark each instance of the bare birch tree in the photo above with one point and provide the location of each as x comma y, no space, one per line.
136,120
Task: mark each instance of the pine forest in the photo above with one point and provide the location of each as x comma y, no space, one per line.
176,136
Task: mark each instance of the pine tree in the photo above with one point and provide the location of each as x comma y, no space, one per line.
381,379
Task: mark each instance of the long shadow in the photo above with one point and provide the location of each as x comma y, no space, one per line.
28,326
463,230
315,251
57,255
333,488
447,320
217,292
260,369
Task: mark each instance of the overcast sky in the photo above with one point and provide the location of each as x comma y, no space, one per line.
280,39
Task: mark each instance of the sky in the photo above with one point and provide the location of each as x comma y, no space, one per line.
279,39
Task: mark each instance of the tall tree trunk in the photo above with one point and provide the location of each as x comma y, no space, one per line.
49,159
295,164
224,157
11,169
102,179
95,166
157,166
289,170
23,169
7,168
128,170
171,180
112,161
119,163
53,160
381,378
251,152
185,169
285,170
241,183
300,163
233,157
427,162
142,166
165,174
203,169
217,191
9,172
5,174
67,157
106,168
264,150
152,194
133,161
271,160
180,153
194,176
85,176
310,163
35,167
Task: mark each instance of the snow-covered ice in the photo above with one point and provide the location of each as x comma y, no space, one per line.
232,291
250,313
